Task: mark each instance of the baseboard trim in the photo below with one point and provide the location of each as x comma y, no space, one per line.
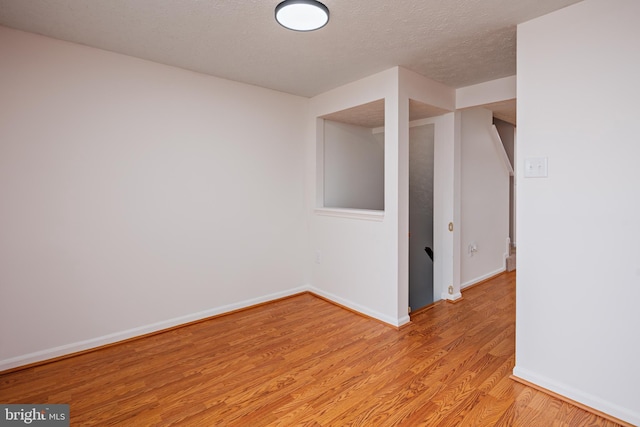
55,354
573,402
452,298
359,309
483,281
42,357
484,278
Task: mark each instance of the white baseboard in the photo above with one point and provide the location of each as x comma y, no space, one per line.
63,350
453,297
483,277
629,415
361,309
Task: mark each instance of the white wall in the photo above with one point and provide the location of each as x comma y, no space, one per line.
484,199
354,260
578,285
490,92
353,167
360,259
446,183
136,196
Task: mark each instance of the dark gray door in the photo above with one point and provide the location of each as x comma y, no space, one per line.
420,215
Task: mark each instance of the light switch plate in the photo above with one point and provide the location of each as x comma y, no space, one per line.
535,167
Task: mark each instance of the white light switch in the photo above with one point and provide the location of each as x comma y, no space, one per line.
535,167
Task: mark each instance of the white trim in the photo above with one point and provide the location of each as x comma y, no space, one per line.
453,297
507,254
67,349
610,408
361,309
365,214
115,337
403,320
483,277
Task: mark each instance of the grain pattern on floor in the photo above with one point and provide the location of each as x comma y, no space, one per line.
305,362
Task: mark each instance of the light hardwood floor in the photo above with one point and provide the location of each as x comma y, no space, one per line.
305,362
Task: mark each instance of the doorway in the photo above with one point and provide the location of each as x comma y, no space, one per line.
421,165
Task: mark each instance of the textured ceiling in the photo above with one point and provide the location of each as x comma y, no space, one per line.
456,42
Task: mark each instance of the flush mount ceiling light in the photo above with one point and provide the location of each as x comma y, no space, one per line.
302,15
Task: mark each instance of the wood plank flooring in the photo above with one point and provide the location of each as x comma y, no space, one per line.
305,362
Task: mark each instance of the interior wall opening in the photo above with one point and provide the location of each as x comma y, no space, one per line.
352,160
421,174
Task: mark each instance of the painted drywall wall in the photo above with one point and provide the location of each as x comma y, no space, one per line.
578,283
360,259
136,196
493,91
353,167
353,261
484,200
507,133
446,178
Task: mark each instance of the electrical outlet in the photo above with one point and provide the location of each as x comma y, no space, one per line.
473,248
450,289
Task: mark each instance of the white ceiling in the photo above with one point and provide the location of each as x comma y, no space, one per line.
456,42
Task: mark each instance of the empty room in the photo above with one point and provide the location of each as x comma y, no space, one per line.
212,213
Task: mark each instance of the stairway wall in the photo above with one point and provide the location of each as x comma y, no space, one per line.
484,200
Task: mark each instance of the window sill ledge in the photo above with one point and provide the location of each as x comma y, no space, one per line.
364,214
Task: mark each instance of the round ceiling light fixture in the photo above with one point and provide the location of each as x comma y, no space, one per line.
302,15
